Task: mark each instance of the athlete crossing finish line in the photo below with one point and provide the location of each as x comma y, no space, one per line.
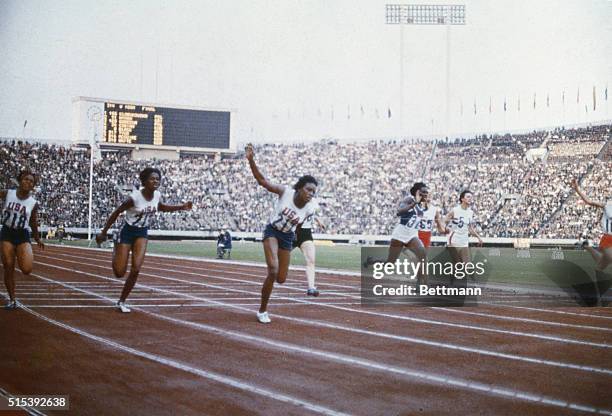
294,205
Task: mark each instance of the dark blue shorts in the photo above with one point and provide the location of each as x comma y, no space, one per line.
129,234
15,236
303,234
285,240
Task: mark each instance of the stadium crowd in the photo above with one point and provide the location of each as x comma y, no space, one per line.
360,183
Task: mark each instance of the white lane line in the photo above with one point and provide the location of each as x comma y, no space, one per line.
586,315
153,305
361,311
354,361
529,320
348,294
370,333
357,274
229,381
105,252
29,410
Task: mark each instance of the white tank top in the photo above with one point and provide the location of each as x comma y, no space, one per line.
17,212
286,216
143,211
461,219
606,218
428,219
309,219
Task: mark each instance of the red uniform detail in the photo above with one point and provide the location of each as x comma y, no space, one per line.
425,237
606,241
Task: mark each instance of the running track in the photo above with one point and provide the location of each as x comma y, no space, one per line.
192,346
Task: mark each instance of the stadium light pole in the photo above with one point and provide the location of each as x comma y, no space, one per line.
94,114
425,14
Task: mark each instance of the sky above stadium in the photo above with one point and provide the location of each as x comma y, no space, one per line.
305,70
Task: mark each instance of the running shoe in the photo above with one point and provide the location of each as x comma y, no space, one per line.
312,292
263,317
11,305
123,308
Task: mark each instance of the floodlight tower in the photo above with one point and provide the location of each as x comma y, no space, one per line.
425,14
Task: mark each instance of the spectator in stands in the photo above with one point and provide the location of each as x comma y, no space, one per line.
518,198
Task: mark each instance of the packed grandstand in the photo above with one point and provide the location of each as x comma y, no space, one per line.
520,182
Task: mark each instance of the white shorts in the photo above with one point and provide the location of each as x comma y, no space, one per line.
458,240
404,234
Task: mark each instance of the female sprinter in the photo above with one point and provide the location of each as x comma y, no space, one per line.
431,216
19,217
461,219
305,242
294,205
139,208
603,257
406,234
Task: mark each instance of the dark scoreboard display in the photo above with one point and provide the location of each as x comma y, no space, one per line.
162,126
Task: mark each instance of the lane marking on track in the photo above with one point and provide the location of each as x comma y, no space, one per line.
153,306
222,379
367,332
438,379
537,321
210,260
361,311
28,409
491,315
586,315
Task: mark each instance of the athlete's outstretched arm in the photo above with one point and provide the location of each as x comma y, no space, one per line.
171,208
584,197
3,194
277,189
34,227
127,204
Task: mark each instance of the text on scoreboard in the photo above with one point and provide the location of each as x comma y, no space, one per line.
164,126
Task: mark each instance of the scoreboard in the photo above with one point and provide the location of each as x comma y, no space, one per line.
164,126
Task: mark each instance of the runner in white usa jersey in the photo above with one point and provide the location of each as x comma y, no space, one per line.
140,208
603,256
19,217
292,208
